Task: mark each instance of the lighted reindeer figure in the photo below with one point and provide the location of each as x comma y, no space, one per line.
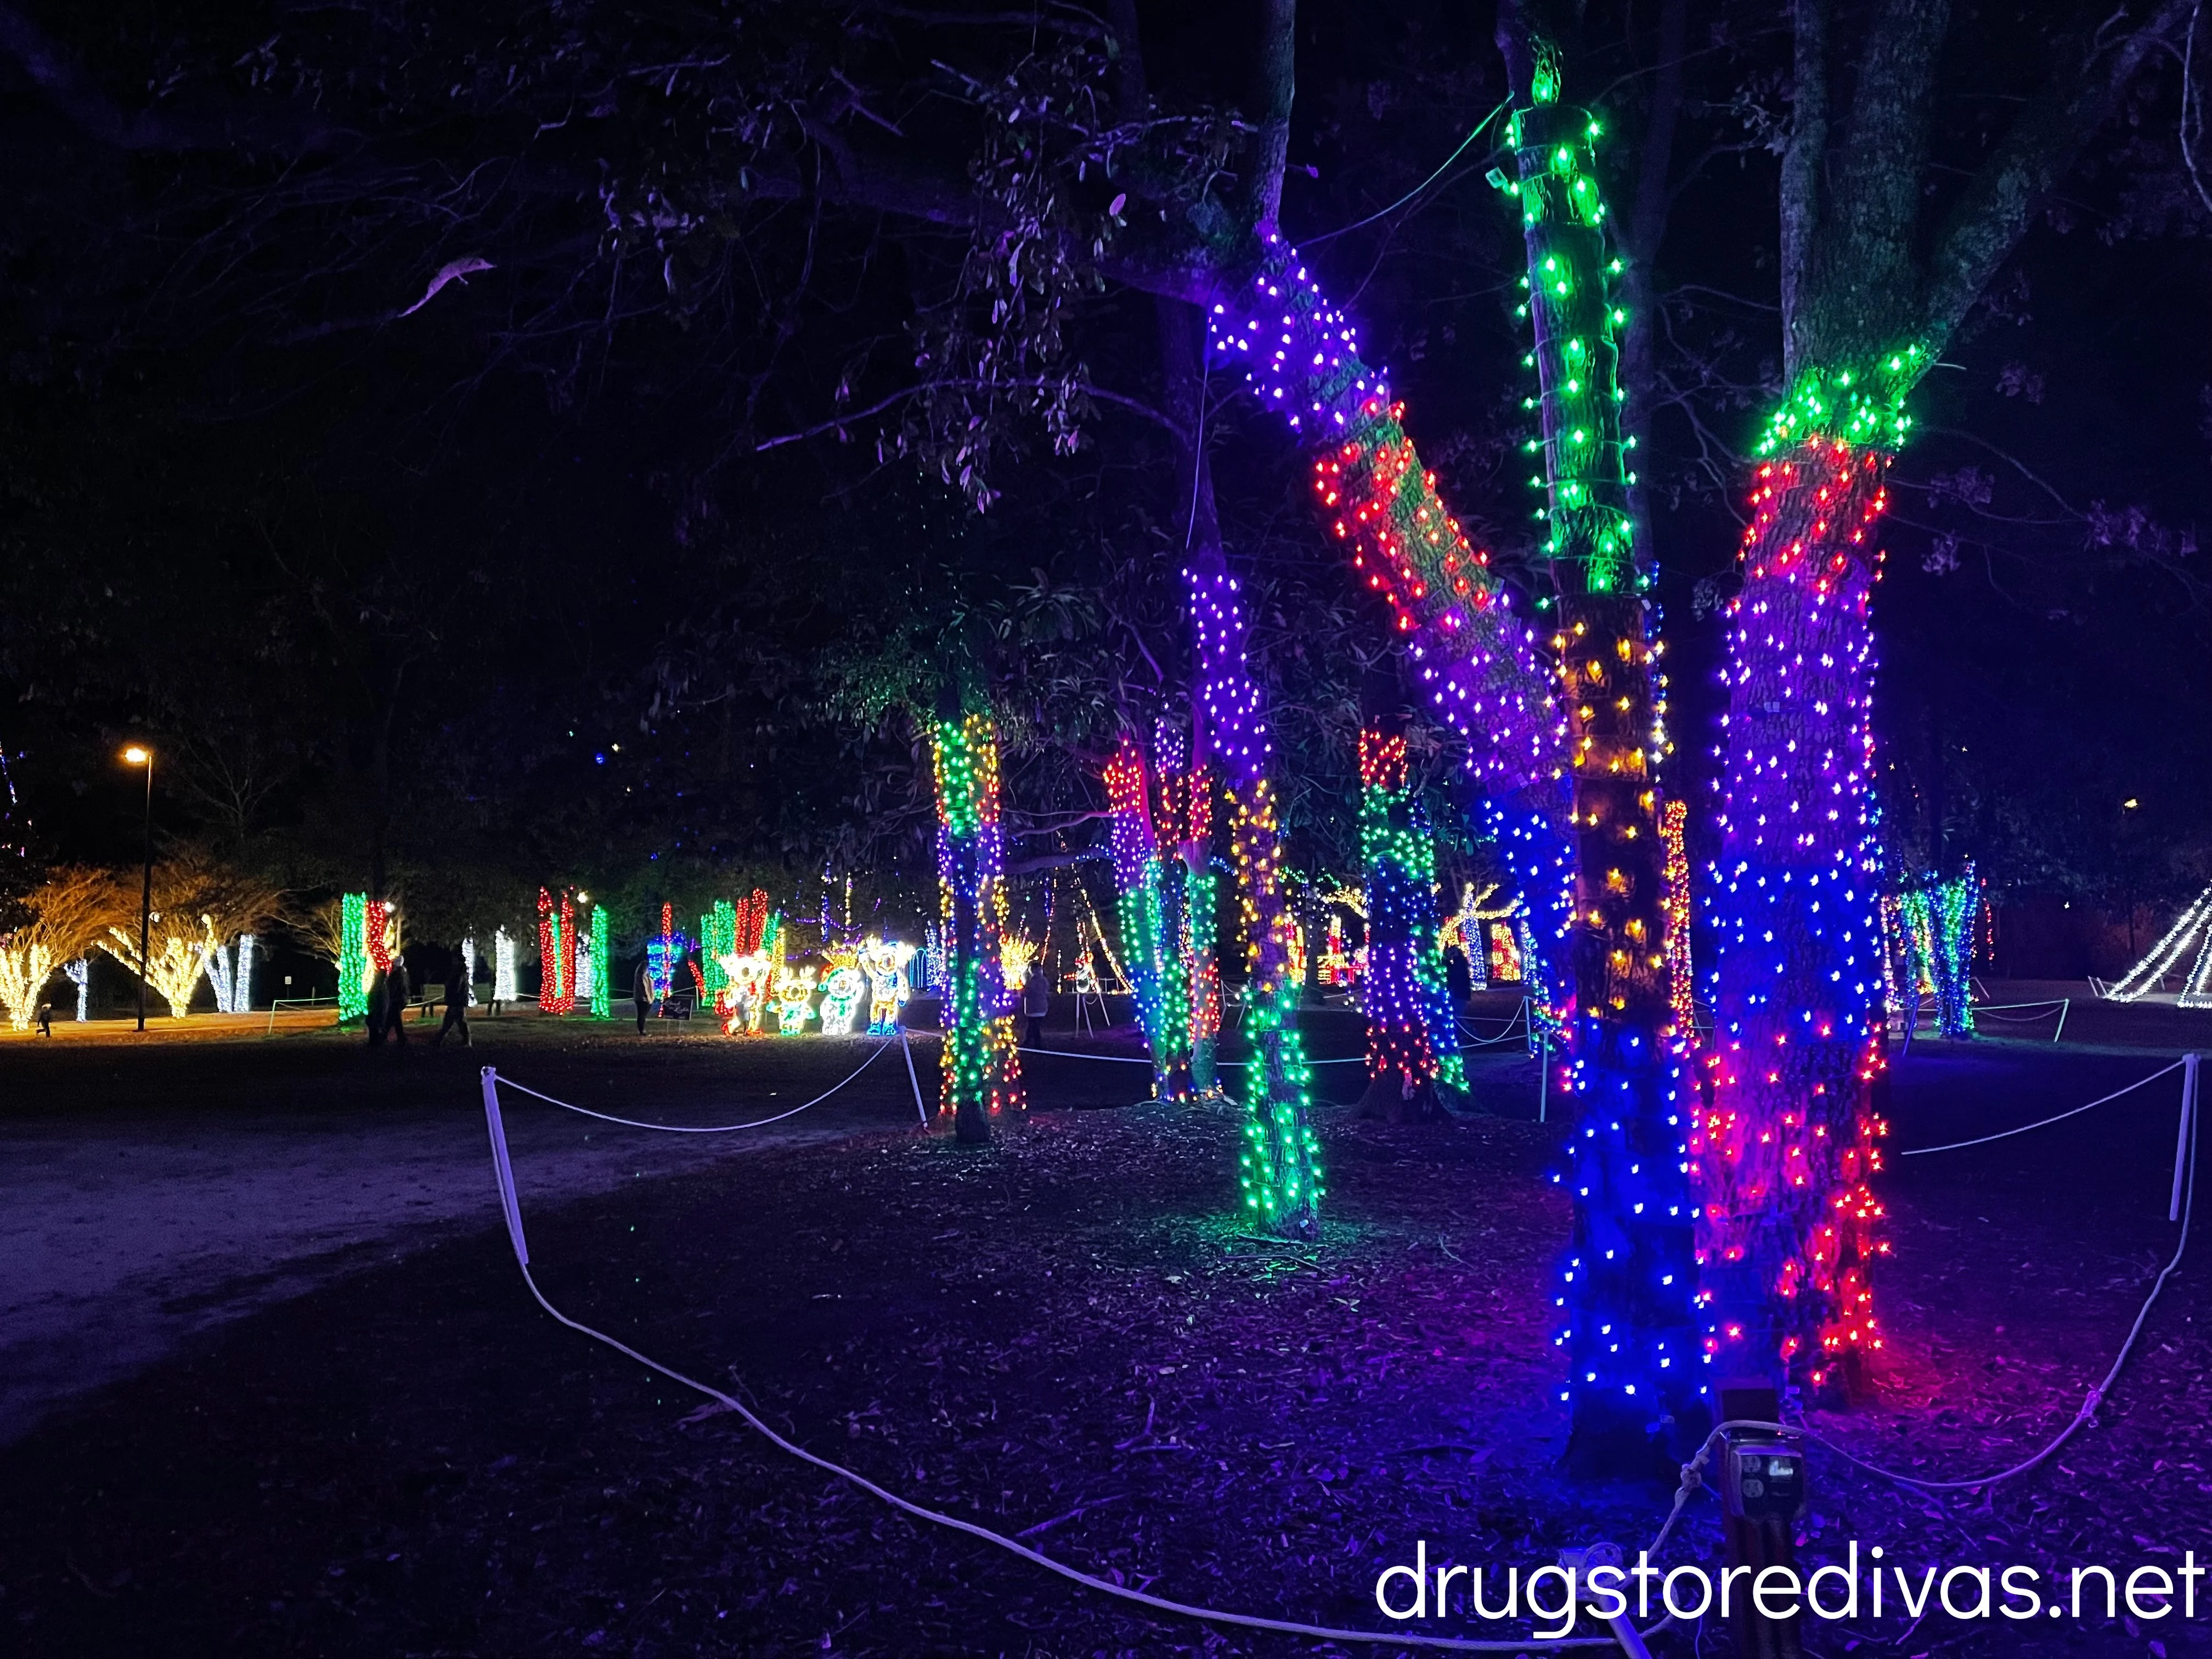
884,960
795,992
844,988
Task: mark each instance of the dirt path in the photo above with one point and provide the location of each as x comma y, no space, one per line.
137,1209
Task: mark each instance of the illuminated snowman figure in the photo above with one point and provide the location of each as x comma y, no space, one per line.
795,992
884,960
843,989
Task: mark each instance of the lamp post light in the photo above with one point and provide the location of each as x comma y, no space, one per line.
138,755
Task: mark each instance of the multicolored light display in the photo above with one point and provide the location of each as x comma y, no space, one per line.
1279,1166
1152,955
982,1066
556,953
884,962
1933,938
1185,819
1788,1140
1631,1329
1475,658
1413,1036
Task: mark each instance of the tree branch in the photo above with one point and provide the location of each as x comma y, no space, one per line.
2044,141
1278,85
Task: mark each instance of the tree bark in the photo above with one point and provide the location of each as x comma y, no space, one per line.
1632,1332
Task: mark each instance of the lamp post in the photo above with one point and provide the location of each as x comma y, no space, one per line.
137,755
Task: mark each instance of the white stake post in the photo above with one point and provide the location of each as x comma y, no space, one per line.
501,1169
2181,1137
906,1049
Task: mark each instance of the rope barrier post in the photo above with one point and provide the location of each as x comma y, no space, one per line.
503,1169
2065,1007
906,1049
2181,1133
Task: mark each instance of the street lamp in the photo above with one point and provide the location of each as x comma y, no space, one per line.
137,755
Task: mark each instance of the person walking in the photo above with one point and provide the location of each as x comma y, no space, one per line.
399,992
46,1017
1036,1001
380,1000
457,1000
641,989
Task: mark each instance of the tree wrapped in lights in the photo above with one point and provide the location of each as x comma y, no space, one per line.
1682,984
197,906
1152,955
1474,657
503,975
1933,940
1280,1166
717,937
602,990
1189,897
353,966
60,919
982,1070
230,971
1413,1041
556,953
1871,291
1632,1327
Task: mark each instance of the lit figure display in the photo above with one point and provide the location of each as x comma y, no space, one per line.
884,962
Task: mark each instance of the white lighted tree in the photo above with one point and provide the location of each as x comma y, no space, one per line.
59,919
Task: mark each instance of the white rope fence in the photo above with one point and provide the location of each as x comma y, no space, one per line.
874,1054
510,1206
2179,1209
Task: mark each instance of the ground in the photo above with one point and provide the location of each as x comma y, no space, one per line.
282,1391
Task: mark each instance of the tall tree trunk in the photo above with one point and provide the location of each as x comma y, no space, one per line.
1632,1332
981,1065
1279,1166
1789,1134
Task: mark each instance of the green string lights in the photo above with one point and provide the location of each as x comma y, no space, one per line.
603,1005
1576,356
353,957
1279,1168
1863,406
717,937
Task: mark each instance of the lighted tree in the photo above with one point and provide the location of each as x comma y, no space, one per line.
1412,1042
197,907
982,1066
1631,1332
1873,287
58,921
1188,896
1151,949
